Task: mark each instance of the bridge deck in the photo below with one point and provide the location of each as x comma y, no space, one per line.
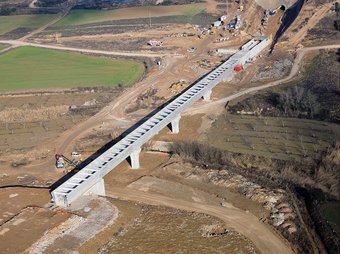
88,176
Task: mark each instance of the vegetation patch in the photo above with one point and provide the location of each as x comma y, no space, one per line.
32,68
2,46
29,120
81,17
274,137
316,97
297,178
9,23
330,212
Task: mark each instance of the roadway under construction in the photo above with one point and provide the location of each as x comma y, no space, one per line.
89,180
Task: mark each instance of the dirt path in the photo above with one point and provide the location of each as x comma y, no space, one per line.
70,5
101,52
40,29
266,240
318,15
295,69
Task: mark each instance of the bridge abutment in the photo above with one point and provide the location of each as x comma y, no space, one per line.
134,158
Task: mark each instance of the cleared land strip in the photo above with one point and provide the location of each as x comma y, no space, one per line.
265,239
92,51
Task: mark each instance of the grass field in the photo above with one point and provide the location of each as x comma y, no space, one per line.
80,17
2,46
29,67
9,23
280,138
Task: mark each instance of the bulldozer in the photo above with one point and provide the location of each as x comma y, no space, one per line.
177,87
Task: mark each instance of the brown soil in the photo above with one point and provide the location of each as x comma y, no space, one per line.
22,211
164,230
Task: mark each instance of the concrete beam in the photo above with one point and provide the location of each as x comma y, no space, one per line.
97,189
134,159
206,96
174,124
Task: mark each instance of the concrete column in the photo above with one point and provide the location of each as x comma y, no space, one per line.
134,158
175,124
207,95
97,189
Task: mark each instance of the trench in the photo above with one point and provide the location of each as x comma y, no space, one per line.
288,18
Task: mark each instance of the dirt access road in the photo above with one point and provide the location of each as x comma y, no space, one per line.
64,12
265,239
203,108
17,43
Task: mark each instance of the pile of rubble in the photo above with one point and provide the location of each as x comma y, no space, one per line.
274,70
214,230
282,215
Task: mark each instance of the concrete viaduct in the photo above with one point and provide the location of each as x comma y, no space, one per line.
89,180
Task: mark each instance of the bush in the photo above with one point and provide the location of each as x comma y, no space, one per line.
201,153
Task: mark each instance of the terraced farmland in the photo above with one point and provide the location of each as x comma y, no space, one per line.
281,138
81,17
9,23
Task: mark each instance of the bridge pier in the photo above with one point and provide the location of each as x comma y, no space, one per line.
206,96
97,189
134,158
174,124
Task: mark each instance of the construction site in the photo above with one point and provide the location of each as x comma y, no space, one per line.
216,131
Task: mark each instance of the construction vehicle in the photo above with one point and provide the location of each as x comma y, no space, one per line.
178,86
191,50
75,154
60,163
61,160
234,23
155,43
271,13
205,64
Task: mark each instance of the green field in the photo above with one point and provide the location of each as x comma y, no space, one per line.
280,138
32,68
9,23
81,17
2,46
